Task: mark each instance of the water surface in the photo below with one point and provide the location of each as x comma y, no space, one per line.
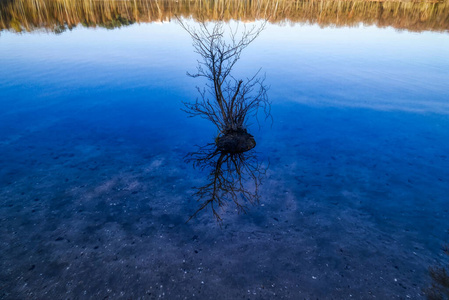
95,191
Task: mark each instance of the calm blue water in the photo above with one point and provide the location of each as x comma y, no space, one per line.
95,191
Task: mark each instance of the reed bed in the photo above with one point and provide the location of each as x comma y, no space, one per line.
30,15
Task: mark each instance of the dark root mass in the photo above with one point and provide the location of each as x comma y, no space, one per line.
235,141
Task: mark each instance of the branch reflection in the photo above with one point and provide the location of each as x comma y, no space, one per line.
233,178
228,102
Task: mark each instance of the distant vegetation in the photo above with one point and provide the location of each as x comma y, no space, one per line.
57,15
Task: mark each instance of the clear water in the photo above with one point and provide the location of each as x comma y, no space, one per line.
95,192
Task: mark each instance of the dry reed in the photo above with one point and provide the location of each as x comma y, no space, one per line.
29,15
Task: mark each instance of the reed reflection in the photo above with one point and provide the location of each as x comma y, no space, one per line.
228,102
59,15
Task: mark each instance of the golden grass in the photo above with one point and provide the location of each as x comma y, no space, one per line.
29,15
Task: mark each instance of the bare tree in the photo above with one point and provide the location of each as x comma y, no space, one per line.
225,100
233,178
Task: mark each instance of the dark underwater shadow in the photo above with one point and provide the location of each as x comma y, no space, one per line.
439,288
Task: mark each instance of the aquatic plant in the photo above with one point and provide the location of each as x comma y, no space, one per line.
225,100
439,289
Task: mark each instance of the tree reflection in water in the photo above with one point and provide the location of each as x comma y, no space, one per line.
228,102
233,178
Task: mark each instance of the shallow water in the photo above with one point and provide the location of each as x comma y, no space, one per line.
95,190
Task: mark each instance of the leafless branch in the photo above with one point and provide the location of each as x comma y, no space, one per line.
227,102
233,178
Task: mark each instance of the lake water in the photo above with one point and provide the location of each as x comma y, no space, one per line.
95,190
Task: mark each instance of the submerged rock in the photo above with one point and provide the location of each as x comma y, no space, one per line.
238,141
